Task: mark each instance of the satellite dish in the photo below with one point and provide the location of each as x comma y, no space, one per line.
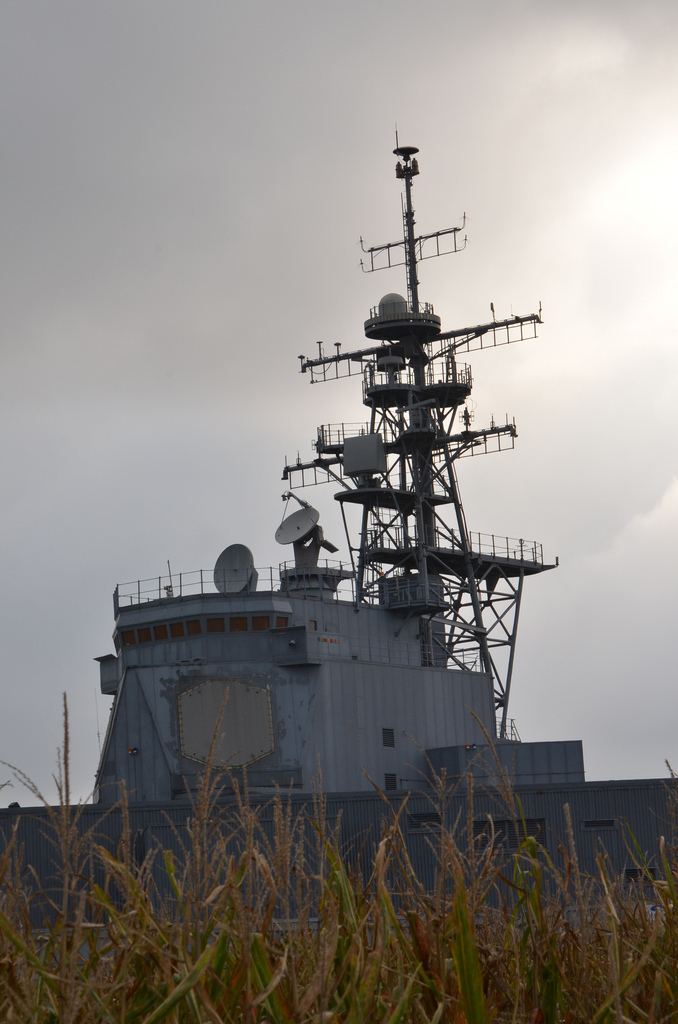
234,571
303,531
298,526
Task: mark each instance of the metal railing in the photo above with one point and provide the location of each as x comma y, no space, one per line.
409,592
199,582
438,371
507,547
395,538
511,729
401,311
333,434
331,437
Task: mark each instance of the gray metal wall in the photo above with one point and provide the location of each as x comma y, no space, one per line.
622,820
534,763
336,679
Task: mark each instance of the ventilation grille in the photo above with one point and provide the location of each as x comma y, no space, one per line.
640,874
390,781
388,737
423,821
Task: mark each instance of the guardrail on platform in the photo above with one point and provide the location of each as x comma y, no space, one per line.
201,581
507,547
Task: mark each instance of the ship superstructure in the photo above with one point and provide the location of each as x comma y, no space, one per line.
340,675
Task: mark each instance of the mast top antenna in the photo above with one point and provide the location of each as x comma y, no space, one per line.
405,151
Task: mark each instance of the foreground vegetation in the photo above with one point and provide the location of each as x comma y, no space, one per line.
247,924
282,931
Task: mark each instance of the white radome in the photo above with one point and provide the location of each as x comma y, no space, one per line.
392,305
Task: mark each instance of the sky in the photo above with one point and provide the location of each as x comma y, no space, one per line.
182,191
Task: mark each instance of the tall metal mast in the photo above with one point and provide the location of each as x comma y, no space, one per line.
406,168
415,555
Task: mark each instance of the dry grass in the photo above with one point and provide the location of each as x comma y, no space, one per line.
251,926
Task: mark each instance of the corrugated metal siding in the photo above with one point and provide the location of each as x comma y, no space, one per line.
644,809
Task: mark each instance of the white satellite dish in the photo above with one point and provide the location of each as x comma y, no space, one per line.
298,526
234,571
302,530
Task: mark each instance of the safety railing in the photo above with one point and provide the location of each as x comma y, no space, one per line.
334,434
512,733
283,578
507,547
438,371
331,436
400,310
396,538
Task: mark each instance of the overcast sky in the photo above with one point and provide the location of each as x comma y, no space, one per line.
183,186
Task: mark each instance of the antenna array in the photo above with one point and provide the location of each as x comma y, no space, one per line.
414,554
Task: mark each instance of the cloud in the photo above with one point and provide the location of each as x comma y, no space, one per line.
604,651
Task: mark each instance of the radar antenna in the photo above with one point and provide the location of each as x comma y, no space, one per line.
234,571
413,248
303,531
415,555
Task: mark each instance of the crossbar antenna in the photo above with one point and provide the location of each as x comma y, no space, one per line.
413,249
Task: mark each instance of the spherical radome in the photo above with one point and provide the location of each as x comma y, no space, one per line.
392,304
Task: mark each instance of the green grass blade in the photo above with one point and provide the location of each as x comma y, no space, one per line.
404,1002
182,990
467,962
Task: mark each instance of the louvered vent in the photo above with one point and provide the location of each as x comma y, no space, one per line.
423,821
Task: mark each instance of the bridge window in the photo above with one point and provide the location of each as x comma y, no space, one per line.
216,625
260,622
176,630
161,632
237,624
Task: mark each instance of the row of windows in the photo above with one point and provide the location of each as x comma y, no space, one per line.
196,627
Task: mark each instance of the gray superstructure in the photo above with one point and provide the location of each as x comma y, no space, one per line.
331,675
325,697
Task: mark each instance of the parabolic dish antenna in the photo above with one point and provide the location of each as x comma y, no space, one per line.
298,526
234,570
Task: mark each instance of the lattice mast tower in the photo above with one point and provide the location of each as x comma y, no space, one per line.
415,555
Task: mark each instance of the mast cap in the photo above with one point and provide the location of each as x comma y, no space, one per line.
405,151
